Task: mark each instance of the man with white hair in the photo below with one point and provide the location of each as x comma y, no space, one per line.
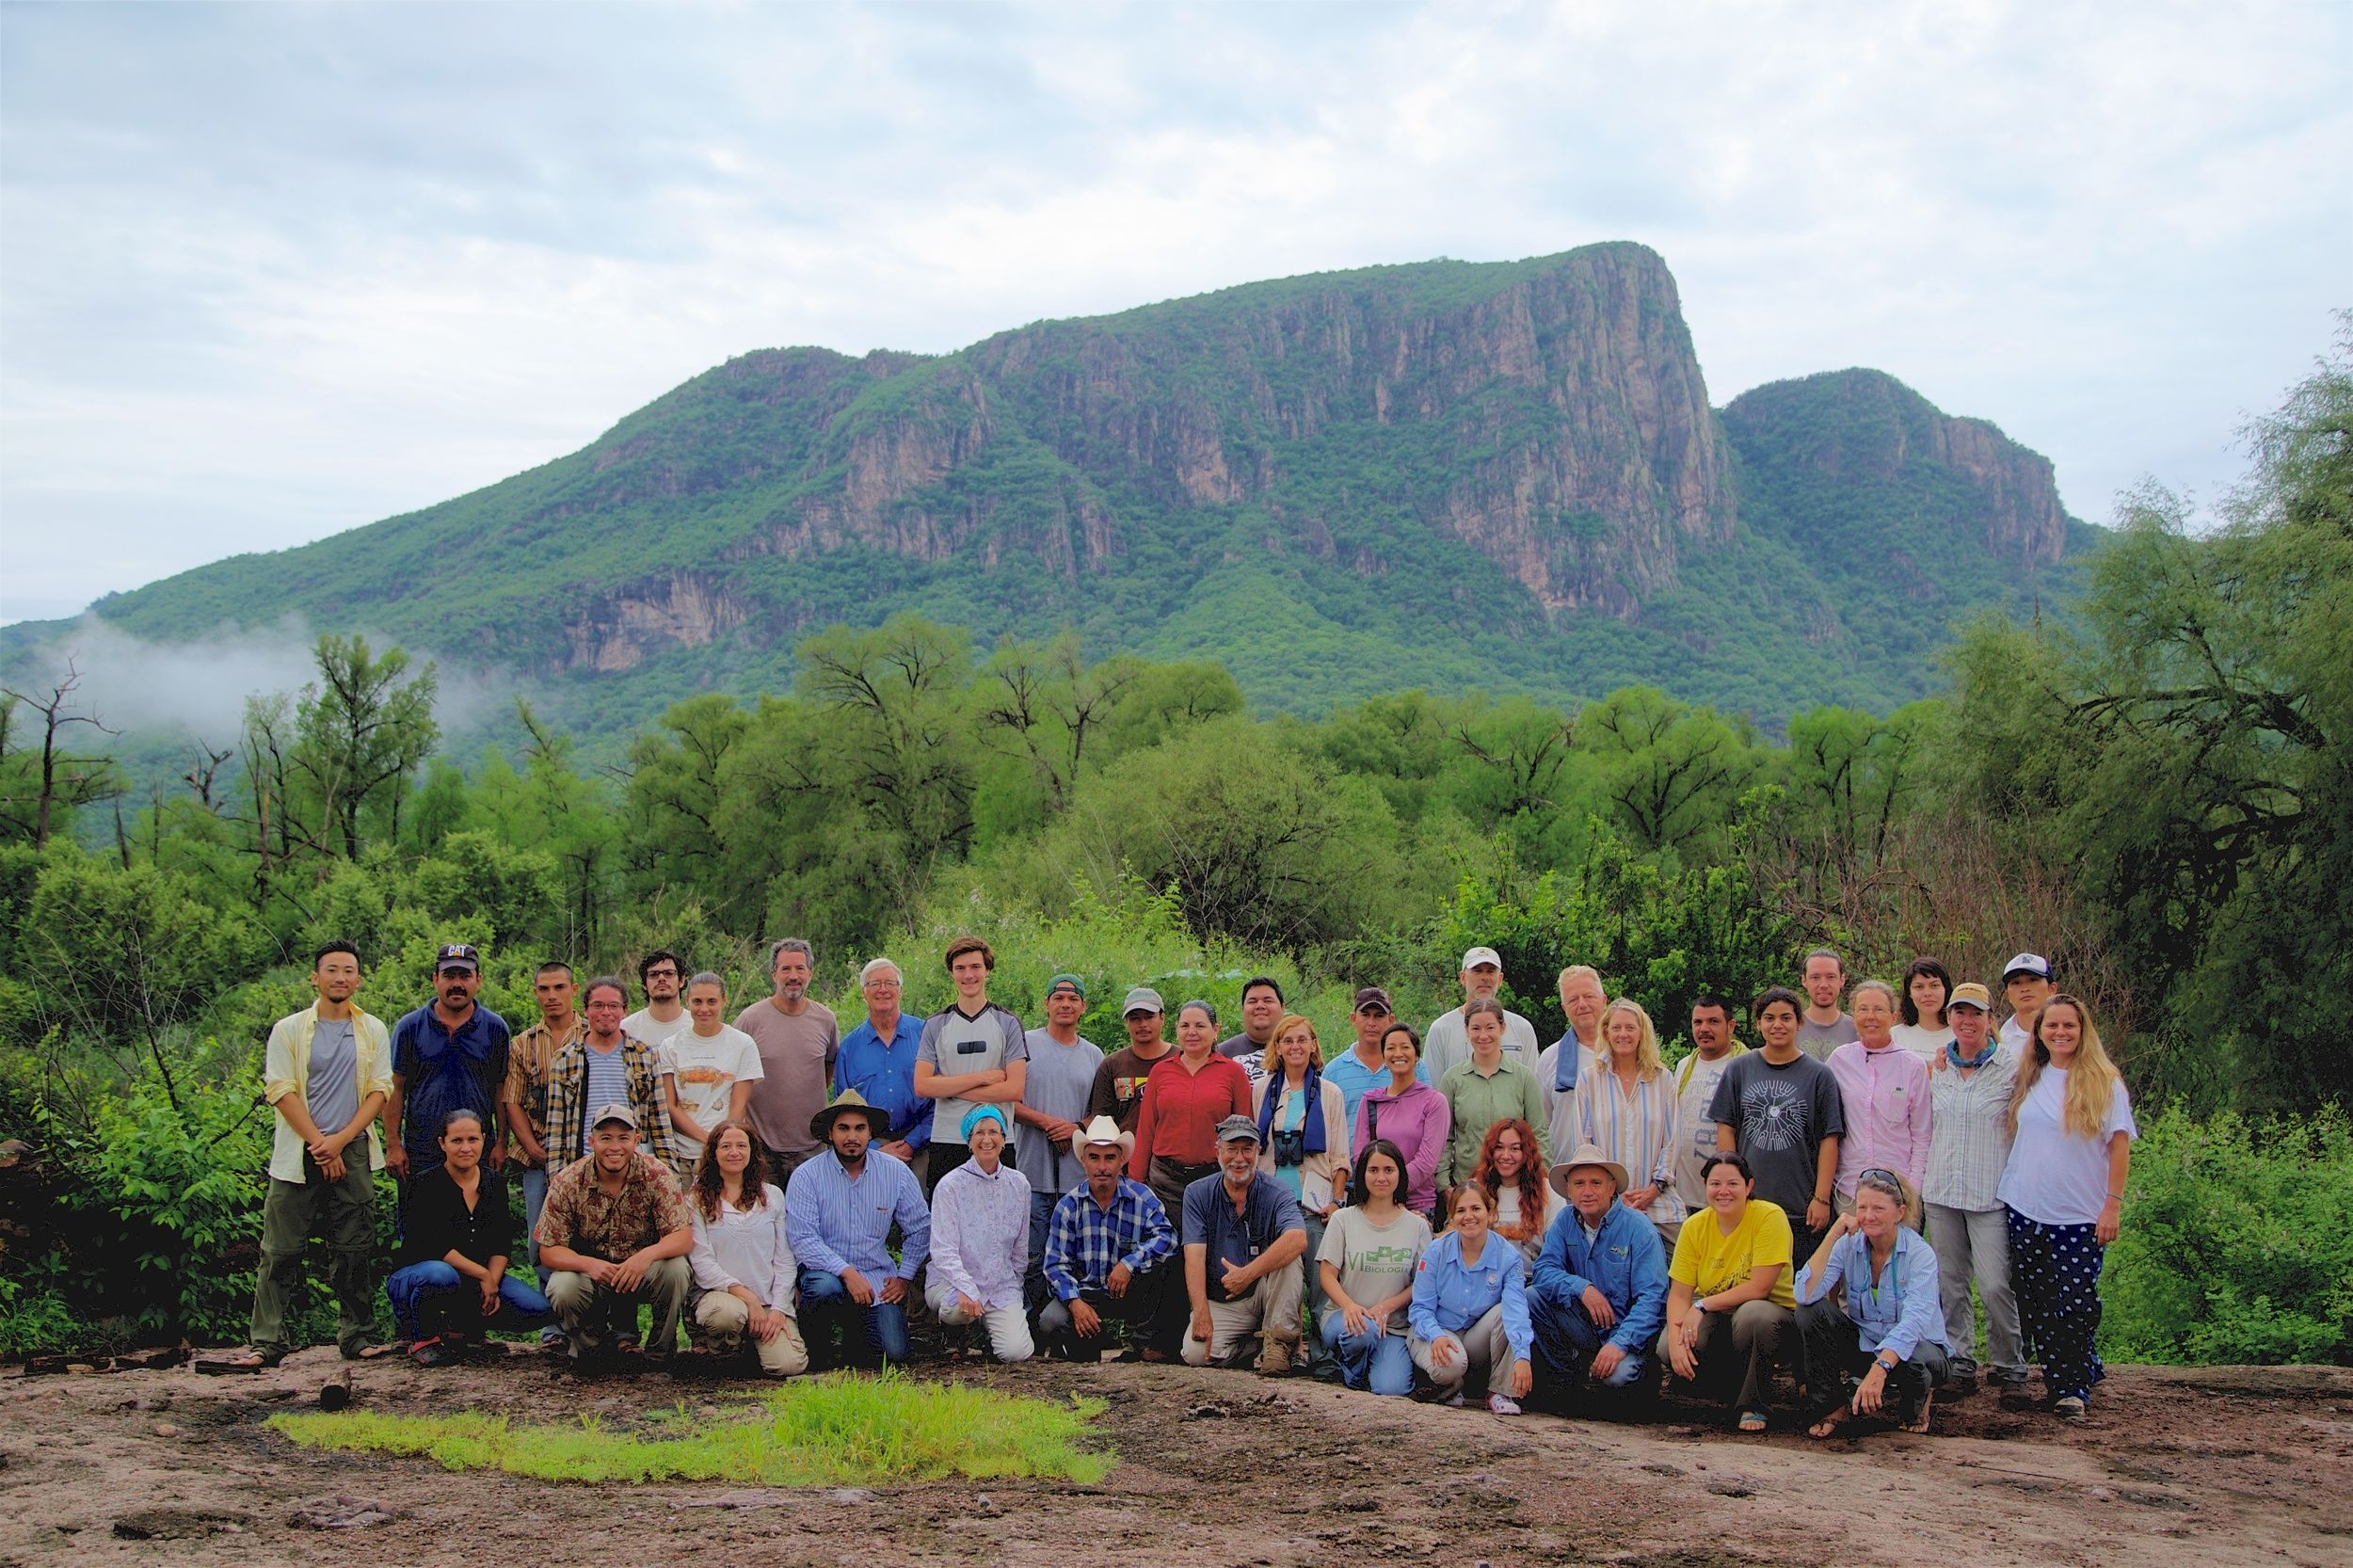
1446,1044
878,1061
1572,1060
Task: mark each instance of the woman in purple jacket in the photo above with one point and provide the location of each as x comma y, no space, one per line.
1409,1114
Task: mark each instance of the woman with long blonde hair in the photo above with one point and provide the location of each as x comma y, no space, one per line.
2063,1192
1628,1111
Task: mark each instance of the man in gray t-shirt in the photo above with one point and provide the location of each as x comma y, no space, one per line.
1053,1105
1823,1027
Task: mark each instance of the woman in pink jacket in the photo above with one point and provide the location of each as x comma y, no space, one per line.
1409,1114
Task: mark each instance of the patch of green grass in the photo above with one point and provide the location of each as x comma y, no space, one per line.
826,1432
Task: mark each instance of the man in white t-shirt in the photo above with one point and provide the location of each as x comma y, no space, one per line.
1446,1046
707,1068
1713,1047
662,973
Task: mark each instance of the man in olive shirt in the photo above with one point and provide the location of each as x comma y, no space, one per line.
798,1042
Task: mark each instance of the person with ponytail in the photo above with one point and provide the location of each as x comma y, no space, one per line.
2063,1192
1890,1329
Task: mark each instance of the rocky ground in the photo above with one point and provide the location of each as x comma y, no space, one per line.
2216,1466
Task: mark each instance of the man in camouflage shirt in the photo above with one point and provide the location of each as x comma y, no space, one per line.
614,1235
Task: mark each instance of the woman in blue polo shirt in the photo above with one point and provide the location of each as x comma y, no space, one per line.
1470,1305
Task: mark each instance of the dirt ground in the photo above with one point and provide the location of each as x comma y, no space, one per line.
2179,1467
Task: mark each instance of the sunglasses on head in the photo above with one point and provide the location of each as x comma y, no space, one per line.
1880,1176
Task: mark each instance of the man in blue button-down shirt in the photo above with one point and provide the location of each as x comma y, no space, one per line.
837,1214
877,1059
1600,1284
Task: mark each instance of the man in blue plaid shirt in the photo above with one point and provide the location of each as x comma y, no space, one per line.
1106,1248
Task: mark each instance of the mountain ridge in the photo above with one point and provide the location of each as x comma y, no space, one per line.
1443,474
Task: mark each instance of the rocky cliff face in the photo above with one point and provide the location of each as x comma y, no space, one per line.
1846,438
1558,420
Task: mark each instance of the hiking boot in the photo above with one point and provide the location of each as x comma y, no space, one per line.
1274,1356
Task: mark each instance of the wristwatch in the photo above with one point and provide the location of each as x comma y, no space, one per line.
1886,1365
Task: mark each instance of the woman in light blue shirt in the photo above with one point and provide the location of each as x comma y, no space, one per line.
1470,1305
1891,1327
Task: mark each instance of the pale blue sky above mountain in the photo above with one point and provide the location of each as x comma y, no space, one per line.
268,273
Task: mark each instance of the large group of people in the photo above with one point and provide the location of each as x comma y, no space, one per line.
1448,1213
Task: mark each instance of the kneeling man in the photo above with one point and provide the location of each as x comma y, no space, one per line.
1107,1247
1599,1291
613,1233
1245,1236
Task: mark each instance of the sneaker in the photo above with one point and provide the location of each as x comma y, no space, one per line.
2070,1407
1274,1356
2006,1379
1503,1404
1453,1400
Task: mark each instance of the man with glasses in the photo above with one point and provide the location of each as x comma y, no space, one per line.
447,1054
605,1067
878,1061
662,973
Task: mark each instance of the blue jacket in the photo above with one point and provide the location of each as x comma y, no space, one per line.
1626,1261
1449,1297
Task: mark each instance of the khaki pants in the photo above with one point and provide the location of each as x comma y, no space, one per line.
1008,1329
1270,1310
291,1212
722,1318
1483,1343
584,1308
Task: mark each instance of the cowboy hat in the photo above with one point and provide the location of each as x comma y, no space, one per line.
1586,1154
1101,1130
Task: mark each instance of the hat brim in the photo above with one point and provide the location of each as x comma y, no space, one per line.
1560,1177
1081,1143
820,1125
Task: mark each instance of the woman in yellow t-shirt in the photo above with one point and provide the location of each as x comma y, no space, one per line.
1729,1304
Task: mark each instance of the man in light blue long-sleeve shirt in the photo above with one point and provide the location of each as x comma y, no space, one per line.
837,1214
1599,1289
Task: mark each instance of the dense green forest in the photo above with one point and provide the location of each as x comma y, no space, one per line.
2158,796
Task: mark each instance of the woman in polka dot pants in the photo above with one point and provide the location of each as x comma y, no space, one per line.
2063,1194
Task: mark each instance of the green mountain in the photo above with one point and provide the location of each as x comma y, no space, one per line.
1446,475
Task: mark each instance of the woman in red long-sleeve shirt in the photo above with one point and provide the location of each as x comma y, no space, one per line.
1187,1094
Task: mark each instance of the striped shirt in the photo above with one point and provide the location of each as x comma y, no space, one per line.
1085,1242
1637,1130
836,1221
1969,1139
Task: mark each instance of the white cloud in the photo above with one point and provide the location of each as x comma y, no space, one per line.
271,272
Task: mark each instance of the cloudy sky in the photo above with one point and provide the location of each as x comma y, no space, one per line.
271,272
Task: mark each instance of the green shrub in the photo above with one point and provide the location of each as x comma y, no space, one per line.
2237,1245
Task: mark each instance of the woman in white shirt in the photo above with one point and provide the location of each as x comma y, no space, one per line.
743,1265
1923,1031
2063,1192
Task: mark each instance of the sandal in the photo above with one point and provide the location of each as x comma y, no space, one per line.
389,1346
254,1358
1827,1425
1753,1421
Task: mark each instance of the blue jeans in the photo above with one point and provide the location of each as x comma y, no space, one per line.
532,1179
1033,1291
827,1306
1567,1341
1381,1362
438,1290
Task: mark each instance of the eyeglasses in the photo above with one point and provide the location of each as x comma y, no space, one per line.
665,973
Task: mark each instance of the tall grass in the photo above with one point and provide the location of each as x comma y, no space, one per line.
826,1431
